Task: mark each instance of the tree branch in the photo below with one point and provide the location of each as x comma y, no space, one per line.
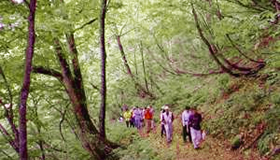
61,113
87,23
6,154
212,48
246,6
7,86
95,87
240,51
47,71
9,111
178,71
9,138
235,66
159,63
138,86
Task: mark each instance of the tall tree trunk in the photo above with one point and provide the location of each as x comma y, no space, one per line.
144,67
141,90
26,83
135,64
98,147
124,57
102,113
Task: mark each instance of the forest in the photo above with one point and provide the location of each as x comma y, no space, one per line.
67,68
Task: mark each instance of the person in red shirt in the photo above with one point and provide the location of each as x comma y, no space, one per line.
148,118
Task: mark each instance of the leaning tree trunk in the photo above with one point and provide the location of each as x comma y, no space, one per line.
224,64
140,89
98,147
26,83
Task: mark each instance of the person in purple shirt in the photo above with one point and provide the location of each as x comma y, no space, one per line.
137,117
195,128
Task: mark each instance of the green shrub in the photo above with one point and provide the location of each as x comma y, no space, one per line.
263,143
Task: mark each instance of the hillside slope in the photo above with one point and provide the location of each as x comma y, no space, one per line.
242,123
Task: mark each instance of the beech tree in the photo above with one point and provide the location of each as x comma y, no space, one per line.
102,114
154,52
26,82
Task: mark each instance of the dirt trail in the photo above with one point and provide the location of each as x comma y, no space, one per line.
211,149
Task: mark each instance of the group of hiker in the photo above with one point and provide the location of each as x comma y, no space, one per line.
139,117
144,117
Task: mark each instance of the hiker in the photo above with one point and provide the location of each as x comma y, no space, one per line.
124,108
162,132
143,116
137,117
127,116
148,118
132,118
185,123
167,119
152,120
195,120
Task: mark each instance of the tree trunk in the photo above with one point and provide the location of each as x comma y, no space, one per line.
140,89
228,67
98,147
26,83
144,67
102,113
124,57
212,48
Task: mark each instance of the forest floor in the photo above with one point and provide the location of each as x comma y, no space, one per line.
210,149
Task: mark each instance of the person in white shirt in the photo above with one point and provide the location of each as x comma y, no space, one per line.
185,123
162,132
167,119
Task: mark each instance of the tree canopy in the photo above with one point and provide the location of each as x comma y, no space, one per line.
85,59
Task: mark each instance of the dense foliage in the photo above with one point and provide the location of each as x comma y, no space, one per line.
219,56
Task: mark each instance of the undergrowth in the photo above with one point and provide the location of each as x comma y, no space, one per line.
243,110
133,146
251,108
